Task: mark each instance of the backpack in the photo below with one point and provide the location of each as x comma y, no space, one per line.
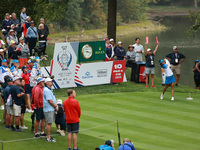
127,145
9,100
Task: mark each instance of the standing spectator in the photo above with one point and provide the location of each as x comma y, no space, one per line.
109,50
17,103
196,71
130,56
139,50
47,30
23,15
26,25
30,65
127,145
73,113
26,77
32,37
120,51
6,25
107,146
6,94
49,107
112,42
169,78
37,100
13,52
42,33
2,56
15,68
175,58
23,58
17,24
12,37
23,106
150,65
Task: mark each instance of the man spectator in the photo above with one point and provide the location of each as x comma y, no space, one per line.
120,51
175,58
37,103
13,52
47,30
107,146
139,50
17,24
23,15
42,34
73,113
49,108
127,145
32,37
26,25
17,103
6,94
109,50
6,25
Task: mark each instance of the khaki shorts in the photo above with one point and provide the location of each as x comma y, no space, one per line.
8,110
50,117
16,110
176,68
150,70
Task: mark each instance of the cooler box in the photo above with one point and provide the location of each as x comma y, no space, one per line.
138,72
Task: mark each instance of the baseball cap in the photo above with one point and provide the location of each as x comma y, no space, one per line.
197,60
148,49
106,39
9,80
175,47
27,17
40,80
24,67
32,22
120,42
16,78
12,42
4,60
15,61
1,50
59,101
160,61
108,142
47,80
111,40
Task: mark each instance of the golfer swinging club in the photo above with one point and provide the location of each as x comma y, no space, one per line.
169,78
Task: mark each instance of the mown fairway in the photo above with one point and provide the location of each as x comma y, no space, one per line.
149,122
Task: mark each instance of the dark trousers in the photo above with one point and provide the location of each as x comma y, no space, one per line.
32,44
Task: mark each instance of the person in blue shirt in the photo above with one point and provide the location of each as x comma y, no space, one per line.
107,146
14,69
127,145
32,35
120,51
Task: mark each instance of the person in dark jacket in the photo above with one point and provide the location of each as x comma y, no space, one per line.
47,30
2,56
120,51
196,71
6,25
17,24
13,51
42,33
109,50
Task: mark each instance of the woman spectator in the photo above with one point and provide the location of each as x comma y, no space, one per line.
23,15
13,52
6,25
130,56
23,58
32,37
12,37
196,71
120,51
109,50
42,33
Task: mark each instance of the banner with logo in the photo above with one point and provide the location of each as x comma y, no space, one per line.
64,64
118,69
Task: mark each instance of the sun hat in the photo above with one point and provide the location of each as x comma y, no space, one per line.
11,30
12,42
47,80
40,79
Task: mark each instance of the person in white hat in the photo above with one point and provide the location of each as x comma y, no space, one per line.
150,65
175,58
139,50
12,37
120,51
49,107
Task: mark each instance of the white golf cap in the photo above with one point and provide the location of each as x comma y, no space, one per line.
119,42
175,47
16,78
148,49
111,40
59,101
1,50
47,80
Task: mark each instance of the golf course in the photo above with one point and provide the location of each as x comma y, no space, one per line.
150,123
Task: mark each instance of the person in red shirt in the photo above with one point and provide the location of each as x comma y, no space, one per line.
26,76
73,113
37,103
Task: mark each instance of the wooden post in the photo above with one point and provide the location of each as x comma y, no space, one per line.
112,17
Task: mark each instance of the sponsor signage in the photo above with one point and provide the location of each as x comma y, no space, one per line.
118,69
100,50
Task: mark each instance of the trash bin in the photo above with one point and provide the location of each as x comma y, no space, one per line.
138,72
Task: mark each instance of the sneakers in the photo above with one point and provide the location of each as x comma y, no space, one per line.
161,96
19,130
37,136
147,86
7,127
60,132
12,129
50,139
76,148
69,148
172,99
2,107
176,84
43,134
153,86
23,127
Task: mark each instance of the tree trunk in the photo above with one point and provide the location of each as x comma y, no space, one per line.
112,17
195,4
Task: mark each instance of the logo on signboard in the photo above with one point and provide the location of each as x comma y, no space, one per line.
102,73
64,58
87,75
